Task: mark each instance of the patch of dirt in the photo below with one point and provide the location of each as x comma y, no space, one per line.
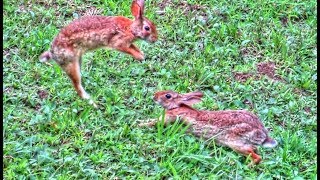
90,11
53,4
284,21
301,92
268,69
184,5
223,15
307,110
7,53
280,123
38,107
299,18
42,94
251,52
242,77
283,124
23,9
263,68
87,135
190,7
64,141
164,4
248,103
27,6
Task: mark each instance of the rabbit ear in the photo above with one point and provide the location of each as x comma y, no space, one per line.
137,8
191,98
196,93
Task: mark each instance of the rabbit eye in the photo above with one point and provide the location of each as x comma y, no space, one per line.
168,96
147,28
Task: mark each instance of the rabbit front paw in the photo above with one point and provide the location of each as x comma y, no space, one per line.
139,56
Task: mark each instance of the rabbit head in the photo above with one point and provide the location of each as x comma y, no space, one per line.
141,26
171,100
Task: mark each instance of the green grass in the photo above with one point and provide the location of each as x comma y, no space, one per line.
49,132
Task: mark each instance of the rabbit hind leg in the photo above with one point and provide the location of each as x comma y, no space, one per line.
247,150
72,69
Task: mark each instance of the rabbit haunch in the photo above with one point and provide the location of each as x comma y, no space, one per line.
238,129
92,32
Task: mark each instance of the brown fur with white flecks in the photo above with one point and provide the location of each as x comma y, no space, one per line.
92,32
238,129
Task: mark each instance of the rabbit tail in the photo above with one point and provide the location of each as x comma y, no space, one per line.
46,56
269,143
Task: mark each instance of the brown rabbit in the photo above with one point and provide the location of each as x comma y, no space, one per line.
238,129
92,32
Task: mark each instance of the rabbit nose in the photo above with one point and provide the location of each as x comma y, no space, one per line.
155,38
155,99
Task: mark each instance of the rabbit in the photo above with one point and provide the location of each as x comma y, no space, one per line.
240,130
92,32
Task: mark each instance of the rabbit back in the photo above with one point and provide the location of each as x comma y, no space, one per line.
230,126
230,118
91,32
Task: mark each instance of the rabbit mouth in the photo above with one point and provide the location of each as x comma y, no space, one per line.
152,40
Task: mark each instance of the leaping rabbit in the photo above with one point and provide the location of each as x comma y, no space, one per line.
92,32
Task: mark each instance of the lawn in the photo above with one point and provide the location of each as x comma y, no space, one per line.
255,55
